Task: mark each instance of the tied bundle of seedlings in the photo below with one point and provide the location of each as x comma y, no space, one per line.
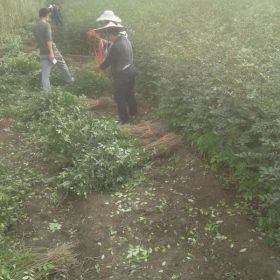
146,131
101,103
5,123
165,145
56,260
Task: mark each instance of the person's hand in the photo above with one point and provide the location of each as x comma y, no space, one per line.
51,56
90,34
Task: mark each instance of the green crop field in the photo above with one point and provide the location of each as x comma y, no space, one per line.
210,69
14,15
213,67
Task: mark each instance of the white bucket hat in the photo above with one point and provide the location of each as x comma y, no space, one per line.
109,16
110,25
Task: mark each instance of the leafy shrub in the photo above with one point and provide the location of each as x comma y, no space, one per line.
17,183
215,77
25,64
232,129
15,14
11,193
19,71
19,74
76,34
89,84
10,45
217,81
87,153
12,262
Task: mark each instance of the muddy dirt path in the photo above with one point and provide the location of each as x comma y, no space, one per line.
179,223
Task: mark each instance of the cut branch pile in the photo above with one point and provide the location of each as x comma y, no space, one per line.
100,103
155,137
5,123
57,260
146,131
165,145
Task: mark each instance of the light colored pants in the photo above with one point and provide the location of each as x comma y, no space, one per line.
46,67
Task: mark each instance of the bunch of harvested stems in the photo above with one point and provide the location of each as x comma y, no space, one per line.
101,103
147,131
165,144
59,259
5,123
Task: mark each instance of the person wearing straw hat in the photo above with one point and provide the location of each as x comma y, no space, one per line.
120,59
109,16
104,46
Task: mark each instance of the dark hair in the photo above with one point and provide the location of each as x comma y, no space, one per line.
43,12
113,31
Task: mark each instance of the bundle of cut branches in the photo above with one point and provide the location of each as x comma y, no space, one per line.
56,260
166,144
5,123
147,131
100,103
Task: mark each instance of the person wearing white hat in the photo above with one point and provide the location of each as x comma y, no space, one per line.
104,46
108,16
120,59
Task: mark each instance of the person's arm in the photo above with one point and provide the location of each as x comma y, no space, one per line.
110,59
50,47
49,42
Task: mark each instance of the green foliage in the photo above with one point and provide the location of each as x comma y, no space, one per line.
11,262
17,182
236,131
18,69
76,34
225,104
10,45
19,264
89,84
138,253
88,154
55,226
15,13
15,186
85,153
214,71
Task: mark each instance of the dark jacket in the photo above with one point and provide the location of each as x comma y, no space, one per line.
120,56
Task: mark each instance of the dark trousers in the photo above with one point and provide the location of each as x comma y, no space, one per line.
124,93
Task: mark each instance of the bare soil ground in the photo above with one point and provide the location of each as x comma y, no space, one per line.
179,223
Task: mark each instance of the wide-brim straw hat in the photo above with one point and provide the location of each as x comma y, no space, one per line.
109,16
110,25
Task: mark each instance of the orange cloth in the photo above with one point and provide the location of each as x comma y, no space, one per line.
92,34
100,52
